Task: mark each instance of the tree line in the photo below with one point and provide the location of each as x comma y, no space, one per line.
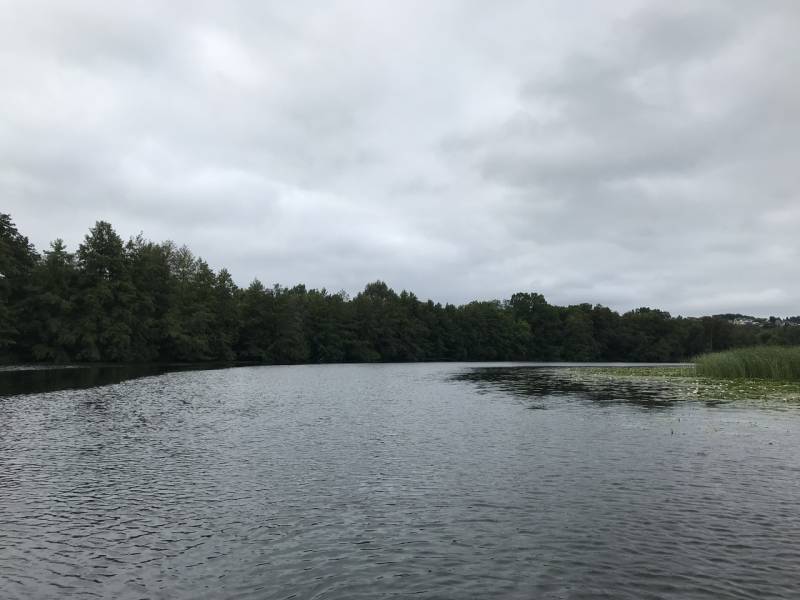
141,301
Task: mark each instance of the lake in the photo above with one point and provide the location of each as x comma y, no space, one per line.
380,481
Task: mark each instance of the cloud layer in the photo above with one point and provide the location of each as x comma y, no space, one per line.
628,153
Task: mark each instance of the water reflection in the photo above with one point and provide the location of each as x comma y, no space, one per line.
35,379
538,385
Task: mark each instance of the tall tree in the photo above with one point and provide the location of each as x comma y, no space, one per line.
256,324
52,306
149,272
189,320
17,261
225,330
106,296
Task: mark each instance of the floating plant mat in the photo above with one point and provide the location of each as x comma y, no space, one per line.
669,384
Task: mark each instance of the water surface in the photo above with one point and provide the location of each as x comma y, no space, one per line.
376,481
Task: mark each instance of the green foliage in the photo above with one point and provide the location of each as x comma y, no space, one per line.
51,306
142,301
17,261
766,362
104,305
149,272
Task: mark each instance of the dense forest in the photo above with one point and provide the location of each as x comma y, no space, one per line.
140,301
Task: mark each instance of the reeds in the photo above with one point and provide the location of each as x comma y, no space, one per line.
757,362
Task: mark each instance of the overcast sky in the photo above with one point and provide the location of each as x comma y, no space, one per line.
621,152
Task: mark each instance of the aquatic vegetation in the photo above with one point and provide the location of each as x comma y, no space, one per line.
662,384
779,363
683,370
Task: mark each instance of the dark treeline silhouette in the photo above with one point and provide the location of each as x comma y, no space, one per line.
140,301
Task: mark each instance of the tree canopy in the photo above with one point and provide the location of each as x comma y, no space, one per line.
141,301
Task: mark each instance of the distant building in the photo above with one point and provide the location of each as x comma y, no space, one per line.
771,322
746,322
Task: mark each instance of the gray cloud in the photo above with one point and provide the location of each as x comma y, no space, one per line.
629,153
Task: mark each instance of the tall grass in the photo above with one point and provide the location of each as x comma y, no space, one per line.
758,362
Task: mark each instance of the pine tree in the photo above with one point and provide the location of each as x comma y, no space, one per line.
17,262
105,297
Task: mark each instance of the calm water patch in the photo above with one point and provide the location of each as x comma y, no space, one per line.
370,481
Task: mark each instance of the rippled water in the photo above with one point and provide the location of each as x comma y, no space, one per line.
357,481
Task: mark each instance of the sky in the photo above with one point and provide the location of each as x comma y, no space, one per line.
628,153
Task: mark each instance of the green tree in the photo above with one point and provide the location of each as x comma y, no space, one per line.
17,261
105,297
256,323
190,318
579,342
546,329
149,271
52,306
226,319
289,340
326,327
